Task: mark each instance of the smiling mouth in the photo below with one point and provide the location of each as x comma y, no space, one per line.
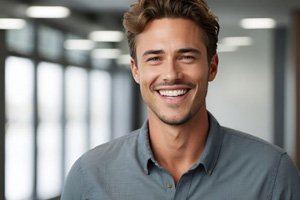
173,93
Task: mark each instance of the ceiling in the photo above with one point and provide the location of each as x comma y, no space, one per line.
92,14
229,11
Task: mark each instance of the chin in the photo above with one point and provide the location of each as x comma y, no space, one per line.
175,121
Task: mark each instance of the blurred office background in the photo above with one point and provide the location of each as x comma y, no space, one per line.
65,84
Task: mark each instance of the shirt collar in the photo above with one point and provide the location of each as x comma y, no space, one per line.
208,157
144,151
210,154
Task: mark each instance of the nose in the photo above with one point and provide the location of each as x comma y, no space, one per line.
172,71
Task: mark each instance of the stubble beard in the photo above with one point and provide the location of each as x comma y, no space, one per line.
194,110
173,121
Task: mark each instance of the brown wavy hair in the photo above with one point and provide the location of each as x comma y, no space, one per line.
144,11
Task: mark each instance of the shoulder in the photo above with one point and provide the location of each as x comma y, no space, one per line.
115,149
256,153
108,155
265,165
253,144
97,164
244,149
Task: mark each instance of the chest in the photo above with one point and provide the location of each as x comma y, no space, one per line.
159,184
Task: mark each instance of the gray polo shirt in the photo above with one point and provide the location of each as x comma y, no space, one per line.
233,166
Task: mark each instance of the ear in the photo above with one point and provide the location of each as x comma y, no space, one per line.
213,69
134,71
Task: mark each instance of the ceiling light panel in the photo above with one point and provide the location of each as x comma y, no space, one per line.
258,23
12,23
237,41
47,12
106,36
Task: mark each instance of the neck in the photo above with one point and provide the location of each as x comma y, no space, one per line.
177,148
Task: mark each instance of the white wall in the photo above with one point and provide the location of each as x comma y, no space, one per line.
290,100
241,95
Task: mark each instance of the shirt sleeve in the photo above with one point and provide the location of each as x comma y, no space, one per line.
73,188
287,180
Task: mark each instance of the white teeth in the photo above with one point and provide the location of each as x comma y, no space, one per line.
172,93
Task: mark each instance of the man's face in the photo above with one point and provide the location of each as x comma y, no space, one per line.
172,70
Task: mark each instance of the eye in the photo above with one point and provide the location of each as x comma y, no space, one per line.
153,60
187,58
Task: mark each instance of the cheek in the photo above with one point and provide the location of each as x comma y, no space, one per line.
147,77
145,82
198,76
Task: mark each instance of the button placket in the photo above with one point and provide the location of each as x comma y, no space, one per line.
183,186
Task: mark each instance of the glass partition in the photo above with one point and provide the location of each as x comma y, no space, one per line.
49,176
100,105
19,145
76,111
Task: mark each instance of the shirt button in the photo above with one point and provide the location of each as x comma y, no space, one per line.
169,185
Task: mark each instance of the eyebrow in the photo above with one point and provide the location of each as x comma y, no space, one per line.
183,50
189,50
149,52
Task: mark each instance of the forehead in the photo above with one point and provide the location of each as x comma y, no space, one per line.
170,34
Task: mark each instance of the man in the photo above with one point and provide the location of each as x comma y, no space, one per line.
181,152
